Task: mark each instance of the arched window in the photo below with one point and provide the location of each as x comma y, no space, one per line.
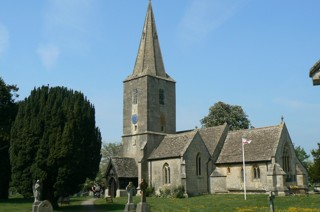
166,174
256,172
198,164
286,159
228,170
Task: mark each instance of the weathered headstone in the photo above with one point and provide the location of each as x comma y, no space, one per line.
143,206
131,190
42,206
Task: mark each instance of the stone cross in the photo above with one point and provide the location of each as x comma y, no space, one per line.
143,187
271,203
131,191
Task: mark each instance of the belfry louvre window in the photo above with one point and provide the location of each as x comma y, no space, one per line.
135,96
166,174
161,96
198,164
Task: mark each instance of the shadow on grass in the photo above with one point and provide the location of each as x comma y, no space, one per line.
96,208
17,201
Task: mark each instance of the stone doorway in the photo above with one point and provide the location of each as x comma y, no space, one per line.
112,184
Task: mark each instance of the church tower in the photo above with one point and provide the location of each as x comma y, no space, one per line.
149,110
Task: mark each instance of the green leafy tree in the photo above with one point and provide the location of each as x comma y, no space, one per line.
314,170
109,150
302,156
8,110
54,139
221,113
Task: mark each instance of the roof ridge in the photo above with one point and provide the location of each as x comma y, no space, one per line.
258,128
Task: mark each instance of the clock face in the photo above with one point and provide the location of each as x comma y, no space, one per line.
134,118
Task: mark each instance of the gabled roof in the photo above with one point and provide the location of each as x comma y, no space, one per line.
173,145
149,59
211,136
314,73
263,146
315,68
124,167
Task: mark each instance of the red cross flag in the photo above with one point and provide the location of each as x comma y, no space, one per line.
245,141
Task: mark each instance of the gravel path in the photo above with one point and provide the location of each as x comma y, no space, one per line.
89,204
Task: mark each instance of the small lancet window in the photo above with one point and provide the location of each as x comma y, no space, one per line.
166,174
198,164
135,96
242,177
228,170
256,172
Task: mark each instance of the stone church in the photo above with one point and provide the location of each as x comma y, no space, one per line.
206,160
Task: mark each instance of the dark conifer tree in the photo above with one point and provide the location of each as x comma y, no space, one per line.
7,114
55,139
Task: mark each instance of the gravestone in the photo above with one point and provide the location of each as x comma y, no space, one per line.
143,206
38,205
131,190
42,206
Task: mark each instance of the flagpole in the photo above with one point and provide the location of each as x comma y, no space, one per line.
244,172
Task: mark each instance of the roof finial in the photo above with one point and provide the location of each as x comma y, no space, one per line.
282,119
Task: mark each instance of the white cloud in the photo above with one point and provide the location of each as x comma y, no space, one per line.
204,16
49,55
4,39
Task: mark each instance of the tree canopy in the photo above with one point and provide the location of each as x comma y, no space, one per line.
221,113
302,156
54,139
8,110
314,169
109,150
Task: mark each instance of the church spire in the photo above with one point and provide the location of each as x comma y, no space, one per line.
149,59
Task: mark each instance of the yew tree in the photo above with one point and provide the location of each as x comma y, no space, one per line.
54,139
221,113
8,109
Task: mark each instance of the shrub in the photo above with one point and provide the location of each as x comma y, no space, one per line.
150,191
172,192
178,192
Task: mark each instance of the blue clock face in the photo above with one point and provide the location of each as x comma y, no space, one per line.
134,118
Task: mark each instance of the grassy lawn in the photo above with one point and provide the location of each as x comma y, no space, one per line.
223,202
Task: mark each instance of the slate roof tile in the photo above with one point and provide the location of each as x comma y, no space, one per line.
125,167
173,145
263,146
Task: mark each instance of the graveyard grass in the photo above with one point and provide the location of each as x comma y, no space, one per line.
221,202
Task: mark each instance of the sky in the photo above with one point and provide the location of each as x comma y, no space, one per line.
251,53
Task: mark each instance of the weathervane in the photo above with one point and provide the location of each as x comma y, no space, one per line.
282,119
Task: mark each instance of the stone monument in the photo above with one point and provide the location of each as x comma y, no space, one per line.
143,206
131,190
37,191
38,205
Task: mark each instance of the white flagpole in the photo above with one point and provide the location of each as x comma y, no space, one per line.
244,172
